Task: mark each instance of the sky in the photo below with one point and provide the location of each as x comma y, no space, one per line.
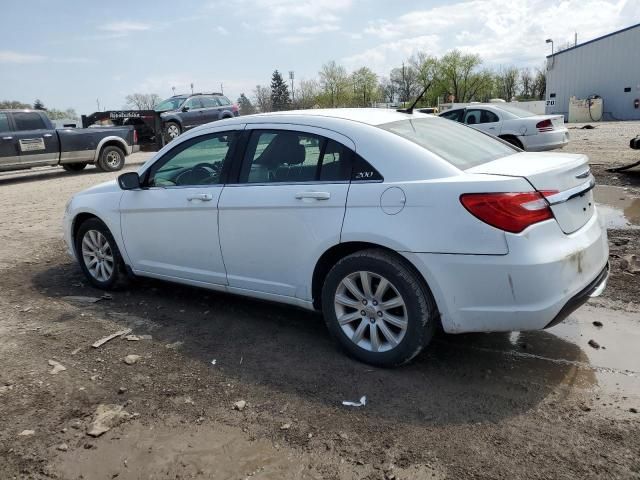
71,54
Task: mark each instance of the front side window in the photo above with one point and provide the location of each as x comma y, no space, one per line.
193,102
4,122
28,121
461,146
172,103
279,156
196,162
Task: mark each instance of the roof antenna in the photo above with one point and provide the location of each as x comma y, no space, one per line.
418,98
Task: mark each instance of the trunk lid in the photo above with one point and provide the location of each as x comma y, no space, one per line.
564,178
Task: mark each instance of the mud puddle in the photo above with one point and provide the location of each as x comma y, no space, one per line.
617,206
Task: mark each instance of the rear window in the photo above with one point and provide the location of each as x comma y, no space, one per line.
463,147
515,111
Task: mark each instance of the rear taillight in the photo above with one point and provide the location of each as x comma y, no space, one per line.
544,126
135,137
511,212
234,108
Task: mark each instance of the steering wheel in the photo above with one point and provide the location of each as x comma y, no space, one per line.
202,172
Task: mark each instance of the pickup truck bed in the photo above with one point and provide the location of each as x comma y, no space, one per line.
29,139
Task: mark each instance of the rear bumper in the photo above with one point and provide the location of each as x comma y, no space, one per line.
545,141
594,289
525,289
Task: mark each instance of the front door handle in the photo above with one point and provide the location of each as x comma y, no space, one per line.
314,195
205,197
7,138
47,135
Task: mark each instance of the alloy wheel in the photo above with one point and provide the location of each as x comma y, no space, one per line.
97,255
370,311
173,131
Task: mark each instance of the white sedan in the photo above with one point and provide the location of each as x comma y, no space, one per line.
525,130
390,223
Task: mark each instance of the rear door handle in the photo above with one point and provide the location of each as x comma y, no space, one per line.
205,197
47,135
314,195
7,138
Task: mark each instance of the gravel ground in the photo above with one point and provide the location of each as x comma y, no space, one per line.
534,405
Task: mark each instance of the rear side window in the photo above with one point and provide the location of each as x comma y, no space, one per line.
223,100
208,102
4,122
28,121
461,146
282,156
455,115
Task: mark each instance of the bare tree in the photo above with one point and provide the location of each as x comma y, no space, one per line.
539,87
14,104
526,82
307,93
142,101
405,80
387,90
507,82
262,96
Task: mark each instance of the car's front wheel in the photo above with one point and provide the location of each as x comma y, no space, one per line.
378,308
98,255
172,130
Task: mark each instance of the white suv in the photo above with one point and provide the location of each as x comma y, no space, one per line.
390,223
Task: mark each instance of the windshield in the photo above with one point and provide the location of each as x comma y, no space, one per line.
518,112
461,146
170,104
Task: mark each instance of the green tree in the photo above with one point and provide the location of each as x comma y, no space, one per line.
365,86
459,74
55,114
307,94
506,83
334,82
539,87
38,105
405,81
280,99
246,107
13,104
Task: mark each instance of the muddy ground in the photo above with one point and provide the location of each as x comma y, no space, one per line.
522,405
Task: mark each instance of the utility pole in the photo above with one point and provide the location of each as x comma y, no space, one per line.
291,77
98,102
173,89
575,39
191,88
221,89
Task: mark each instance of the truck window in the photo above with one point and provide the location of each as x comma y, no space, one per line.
4,122
28,121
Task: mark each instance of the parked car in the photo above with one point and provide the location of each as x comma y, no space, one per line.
183,112
390,223
29,139
525,130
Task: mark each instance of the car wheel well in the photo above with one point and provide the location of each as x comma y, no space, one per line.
79,220
336,253
112,143
513,140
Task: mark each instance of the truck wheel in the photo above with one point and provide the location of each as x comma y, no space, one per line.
111,159
74,167
171,131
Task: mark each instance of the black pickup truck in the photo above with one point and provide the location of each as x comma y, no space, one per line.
29,139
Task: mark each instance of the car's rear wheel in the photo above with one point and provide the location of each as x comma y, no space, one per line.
172,130
111,159
74,167
98,255
378,308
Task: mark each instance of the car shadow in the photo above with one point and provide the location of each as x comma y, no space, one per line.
459,379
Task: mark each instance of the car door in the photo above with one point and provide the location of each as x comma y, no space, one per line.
286,208
38,144
211,108
194,115
483,120
170,227
9,154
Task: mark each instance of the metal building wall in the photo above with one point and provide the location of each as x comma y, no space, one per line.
604,67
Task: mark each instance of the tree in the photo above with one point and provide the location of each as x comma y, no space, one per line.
526,83
280,99
459,75
387,90
262,97
405,80
38,105
365,84
55,114
539,87
246,107
142,101
334,82
507,83
307,94
14,104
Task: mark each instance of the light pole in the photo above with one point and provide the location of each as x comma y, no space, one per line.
291,77
192,89
173,89
548,40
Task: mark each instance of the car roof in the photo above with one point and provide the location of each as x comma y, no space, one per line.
369,116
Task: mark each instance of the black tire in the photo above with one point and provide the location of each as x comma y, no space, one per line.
111,159
74,167
419,308
170,130
513,141
118,276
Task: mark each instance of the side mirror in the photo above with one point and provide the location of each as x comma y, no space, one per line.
185,109
129,181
